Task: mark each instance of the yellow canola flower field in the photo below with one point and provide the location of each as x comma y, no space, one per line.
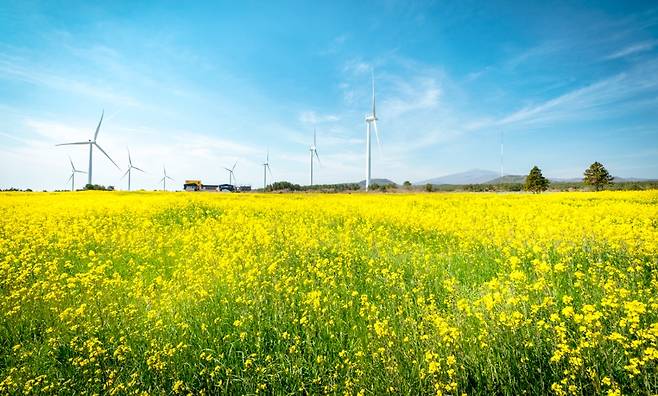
178,293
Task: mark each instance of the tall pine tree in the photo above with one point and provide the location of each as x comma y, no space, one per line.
597,175
535,181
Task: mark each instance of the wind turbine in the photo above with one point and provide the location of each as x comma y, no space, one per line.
130,168
91,144
266,168
371,122
313,150
164,179
231,173
73,172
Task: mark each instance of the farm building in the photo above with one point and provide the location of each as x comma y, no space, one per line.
196,185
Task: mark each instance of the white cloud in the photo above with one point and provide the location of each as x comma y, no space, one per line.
12,68
633,49
312,118
357,66
419,93
603,98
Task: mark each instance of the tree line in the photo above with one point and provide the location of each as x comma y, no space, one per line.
596,176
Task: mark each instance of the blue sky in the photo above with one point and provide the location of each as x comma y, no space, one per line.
197,86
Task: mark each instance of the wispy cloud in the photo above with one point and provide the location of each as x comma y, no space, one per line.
312,118
633,49
608,97
335,45
409,95
12,68
537,52
357,66
57,132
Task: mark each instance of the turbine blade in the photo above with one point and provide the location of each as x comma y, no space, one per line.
232,169
228,169
269,170
108,157
134,167
372,73
79,171
70,177
317,156
99,125
125,174
130,162
374,124
68,144
170,178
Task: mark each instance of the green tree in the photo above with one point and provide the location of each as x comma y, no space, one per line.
407,184
429,187
535,181
597,175
283,185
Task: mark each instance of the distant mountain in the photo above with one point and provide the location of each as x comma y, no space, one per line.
380,182
473,176
507,179
565,179
521,179
630,179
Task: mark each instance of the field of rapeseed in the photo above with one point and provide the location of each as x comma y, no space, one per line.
173,293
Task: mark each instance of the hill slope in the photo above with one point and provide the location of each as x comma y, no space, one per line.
381,182
473,176
507,179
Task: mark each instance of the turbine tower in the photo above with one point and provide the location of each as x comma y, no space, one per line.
502,141
371,123
266,168
130,168
91,144
164,179
313,151
231,173
73,172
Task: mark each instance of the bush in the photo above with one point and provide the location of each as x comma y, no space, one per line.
283,185
98,187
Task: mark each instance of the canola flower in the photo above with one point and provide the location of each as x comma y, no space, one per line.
173,293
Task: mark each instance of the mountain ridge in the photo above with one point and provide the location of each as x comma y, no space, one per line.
483,176
471,176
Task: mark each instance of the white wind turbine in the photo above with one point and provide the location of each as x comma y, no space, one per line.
164,179
91,144
130,168
266,168
313,150
73,172
371,122
231,173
